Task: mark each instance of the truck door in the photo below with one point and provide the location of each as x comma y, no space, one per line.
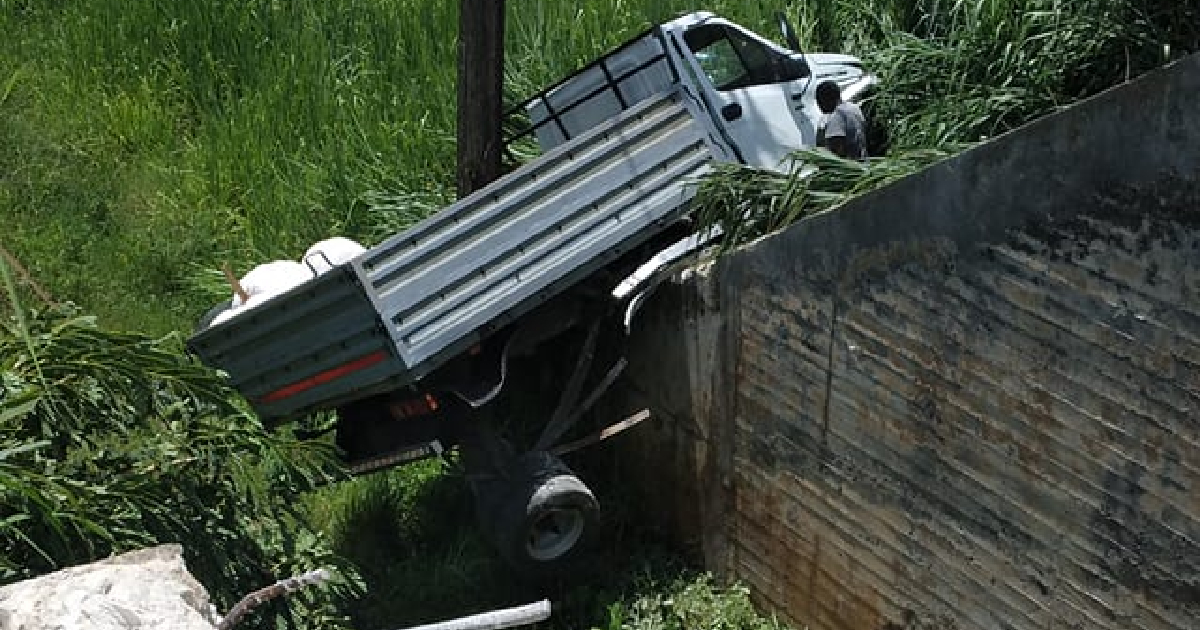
756,90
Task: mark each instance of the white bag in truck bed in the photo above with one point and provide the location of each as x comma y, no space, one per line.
409,304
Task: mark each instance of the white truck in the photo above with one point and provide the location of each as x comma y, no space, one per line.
410,341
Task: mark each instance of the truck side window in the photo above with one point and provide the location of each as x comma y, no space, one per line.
731,59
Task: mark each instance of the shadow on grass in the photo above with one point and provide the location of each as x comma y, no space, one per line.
412,533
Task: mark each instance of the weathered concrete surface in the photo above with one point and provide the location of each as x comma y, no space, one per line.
150,588
970,400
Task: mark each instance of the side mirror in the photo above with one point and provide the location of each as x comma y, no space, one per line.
789,33
793,68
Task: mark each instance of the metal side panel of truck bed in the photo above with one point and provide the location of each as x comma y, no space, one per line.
409,304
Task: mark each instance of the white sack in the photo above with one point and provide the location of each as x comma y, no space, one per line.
234,311
331,252
273,278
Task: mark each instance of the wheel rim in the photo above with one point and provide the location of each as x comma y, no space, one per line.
554,533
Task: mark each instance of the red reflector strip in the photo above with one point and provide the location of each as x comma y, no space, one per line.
321,378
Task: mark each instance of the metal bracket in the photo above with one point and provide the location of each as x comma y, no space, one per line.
603,434
568,412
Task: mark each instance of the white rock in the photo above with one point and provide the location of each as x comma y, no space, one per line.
150,588
331,252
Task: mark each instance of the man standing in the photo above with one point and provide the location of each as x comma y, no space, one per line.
846,130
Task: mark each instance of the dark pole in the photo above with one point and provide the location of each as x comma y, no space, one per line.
480,92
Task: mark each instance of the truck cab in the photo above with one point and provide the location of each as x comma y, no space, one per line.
763,93
759,97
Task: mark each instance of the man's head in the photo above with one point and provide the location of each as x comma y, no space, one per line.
829,96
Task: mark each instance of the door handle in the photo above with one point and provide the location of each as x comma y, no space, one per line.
731,112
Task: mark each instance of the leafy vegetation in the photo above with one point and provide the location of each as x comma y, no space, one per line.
148,142
114,441
749,202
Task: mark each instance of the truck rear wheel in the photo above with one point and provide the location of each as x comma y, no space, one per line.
557,517
544,517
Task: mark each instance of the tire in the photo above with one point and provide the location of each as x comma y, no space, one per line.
545,517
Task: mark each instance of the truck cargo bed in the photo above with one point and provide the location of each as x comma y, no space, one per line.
406,306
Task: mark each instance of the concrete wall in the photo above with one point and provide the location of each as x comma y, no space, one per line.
969,400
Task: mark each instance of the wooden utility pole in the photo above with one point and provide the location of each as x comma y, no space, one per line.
480,92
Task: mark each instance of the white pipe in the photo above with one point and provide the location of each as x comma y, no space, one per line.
495,620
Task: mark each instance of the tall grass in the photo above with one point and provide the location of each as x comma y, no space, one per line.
746,203
953,73
957,71
214,131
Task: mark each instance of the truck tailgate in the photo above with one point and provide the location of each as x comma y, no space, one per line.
319,344
416,300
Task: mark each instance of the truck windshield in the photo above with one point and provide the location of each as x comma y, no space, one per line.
733,60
